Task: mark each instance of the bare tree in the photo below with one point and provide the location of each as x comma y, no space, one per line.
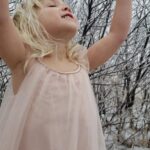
122,84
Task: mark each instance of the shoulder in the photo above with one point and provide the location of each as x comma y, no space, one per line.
82,58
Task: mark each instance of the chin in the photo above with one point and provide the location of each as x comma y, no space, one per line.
68,32
64,32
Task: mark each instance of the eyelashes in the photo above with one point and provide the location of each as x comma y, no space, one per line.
52,6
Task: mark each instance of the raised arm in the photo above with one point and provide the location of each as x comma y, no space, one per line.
4,12
12,49
103,49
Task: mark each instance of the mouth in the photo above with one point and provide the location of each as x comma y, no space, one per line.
68,15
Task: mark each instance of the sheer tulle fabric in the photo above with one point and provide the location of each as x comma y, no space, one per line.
51,111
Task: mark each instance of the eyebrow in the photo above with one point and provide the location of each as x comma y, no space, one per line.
50,1
57,1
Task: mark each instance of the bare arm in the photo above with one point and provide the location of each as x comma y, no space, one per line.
122,18
4,12
12,49
103,49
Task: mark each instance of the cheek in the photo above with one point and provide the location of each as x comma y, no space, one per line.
49,21
47,17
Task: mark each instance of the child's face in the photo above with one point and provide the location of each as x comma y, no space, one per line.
50,15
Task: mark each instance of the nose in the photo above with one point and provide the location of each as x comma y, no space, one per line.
66,8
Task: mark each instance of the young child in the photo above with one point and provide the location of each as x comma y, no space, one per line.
49,102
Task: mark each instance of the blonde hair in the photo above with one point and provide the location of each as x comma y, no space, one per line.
35,35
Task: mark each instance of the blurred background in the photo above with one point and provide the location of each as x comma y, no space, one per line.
122,84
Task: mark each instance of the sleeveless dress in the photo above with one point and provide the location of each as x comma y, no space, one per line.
52,110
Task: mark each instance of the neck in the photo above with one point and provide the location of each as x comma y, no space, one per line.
60,53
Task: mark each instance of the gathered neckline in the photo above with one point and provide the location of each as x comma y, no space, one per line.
61,72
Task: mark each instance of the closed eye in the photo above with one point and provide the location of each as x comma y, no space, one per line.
52,6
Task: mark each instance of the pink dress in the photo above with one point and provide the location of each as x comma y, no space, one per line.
52,110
